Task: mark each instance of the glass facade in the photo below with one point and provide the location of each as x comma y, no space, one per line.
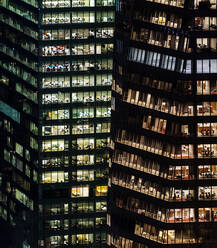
55,107
19,170
163,173
75,68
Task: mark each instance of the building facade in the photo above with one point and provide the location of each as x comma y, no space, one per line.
56,75
164,125
18,123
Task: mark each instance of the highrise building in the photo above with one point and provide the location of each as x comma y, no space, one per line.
55,92
164,125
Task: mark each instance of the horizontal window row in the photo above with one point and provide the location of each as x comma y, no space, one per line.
76,81
88,175
25,43
206,44
184,151
165,215
22,11
82,97
153,189
54,177
59,114
179,236
150,82
77,113
28,93
152,58
204,87
60,161
168,106
152,167
79,160
89,143
205,23
75,3
83,223
206,129
79,144
60,97
78,176
157,103
100,159
161,39
178,215
82,207
176,3
80,49
171,63
86,128
89,128
91,96
55,145
206,66
17,55
207,150
77,65
18,70
155,124
197,4
78,17
207,109
162,61
158,17
84,191
173,41
21,181
64,34
9,111
31,2
77,239
184,172
122,242
13,22
210,4
23,198
19,164
207,193
159,125
156,190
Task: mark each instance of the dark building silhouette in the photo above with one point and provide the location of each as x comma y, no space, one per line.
164,125
55,94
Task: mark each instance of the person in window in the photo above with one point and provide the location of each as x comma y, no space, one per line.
73,50
91,34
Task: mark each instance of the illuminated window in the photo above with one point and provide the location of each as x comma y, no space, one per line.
101,190
19,149
54,177
82,239
82,191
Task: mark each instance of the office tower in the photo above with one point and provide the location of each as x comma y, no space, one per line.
164,125
56,74
18,123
